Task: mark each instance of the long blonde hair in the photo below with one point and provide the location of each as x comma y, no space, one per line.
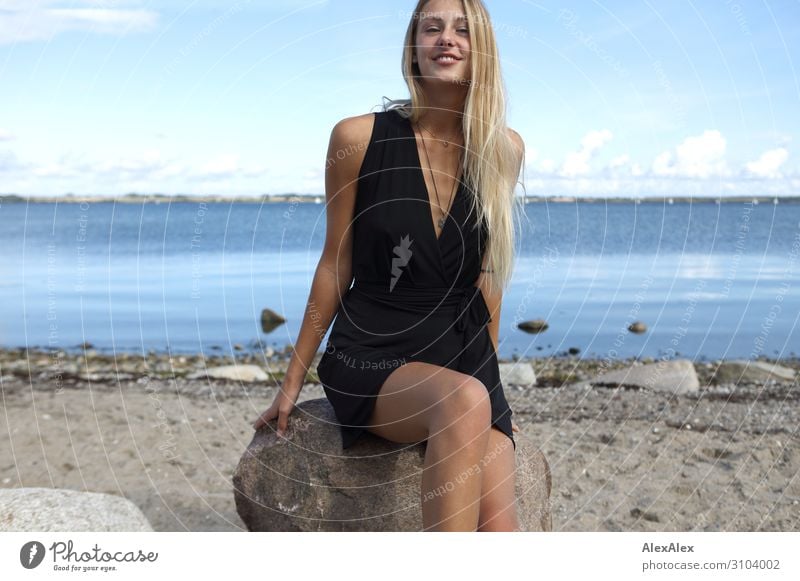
489,163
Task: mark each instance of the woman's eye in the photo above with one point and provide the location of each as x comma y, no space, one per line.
435,29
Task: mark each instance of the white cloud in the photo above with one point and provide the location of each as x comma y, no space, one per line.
768,164
43,20
620,161
222,166
547,166
149,164
227,166
577,163
5,135
9,162
701,156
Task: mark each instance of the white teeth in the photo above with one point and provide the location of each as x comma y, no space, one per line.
448,59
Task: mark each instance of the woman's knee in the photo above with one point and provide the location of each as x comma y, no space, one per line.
464,406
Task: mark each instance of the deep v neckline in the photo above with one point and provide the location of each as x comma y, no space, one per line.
424,189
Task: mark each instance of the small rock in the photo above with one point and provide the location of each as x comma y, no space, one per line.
270,320
533,327
637,327
517,374
646,515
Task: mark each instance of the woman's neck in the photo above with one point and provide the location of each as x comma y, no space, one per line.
443,114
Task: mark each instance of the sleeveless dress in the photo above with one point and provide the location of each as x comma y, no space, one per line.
414,297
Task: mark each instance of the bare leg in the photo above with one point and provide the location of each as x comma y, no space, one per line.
498,495
452,411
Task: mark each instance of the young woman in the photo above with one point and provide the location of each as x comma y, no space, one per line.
420,207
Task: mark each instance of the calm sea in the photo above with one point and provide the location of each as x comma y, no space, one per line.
709,280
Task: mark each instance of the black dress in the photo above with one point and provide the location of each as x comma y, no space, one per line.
414,296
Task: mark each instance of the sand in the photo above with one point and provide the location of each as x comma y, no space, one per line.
621,459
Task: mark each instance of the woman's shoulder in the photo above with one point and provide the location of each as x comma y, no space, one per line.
516,138
355,130
519,145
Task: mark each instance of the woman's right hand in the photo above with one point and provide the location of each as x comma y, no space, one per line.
281,407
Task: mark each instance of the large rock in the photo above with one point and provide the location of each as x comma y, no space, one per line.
518,373
677,376
61,510
306,482
744,371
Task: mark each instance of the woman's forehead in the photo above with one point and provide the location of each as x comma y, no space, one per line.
442,16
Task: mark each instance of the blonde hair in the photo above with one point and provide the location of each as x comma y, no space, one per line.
489,164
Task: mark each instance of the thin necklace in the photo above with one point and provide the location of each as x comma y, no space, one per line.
443,219
445,141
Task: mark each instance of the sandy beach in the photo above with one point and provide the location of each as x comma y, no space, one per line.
725,458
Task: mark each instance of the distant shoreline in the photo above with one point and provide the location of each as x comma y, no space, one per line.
320,199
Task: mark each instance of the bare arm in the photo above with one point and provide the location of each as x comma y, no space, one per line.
334,271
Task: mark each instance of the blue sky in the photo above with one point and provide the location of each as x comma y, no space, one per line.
105,97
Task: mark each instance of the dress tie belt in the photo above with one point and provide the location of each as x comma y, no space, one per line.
471,311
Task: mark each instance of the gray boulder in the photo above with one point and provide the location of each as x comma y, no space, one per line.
62,510
306,482
744,371
248,373
677,376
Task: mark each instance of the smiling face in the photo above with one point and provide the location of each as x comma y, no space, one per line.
443,43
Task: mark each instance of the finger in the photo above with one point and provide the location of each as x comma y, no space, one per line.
283,421
263,419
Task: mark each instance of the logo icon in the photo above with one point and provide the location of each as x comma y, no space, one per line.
403,253
31,554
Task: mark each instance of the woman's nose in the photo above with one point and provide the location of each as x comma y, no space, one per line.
445,38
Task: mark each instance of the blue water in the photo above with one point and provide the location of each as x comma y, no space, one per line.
709,280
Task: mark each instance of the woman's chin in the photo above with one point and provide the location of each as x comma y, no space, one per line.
444,79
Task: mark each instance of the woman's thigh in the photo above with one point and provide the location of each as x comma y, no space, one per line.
412,395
